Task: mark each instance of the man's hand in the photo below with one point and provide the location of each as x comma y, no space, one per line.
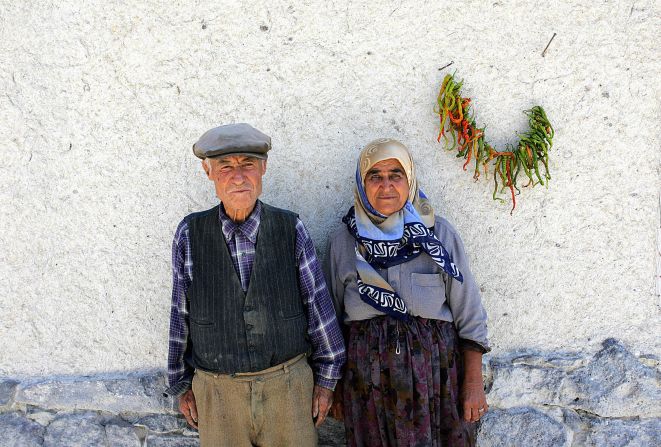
322,399
188,408
337,409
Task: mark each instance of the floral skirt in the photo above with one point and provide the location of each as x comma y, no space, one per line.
401,385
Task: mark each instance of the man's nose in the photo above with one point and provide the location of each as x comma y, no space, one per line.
238,175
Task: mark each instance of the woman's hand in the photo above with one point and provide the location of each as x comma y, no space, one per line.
473,399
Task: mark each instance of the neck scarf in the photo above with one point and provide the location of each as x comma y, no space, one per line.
384,241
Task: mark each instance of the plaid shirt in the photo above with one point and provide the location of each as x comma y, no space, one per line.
328,354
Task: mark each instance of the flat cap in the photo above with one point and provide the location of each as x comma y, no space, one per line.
232,139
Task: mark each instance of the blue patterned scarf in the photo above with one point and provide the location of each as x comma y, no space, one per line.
385,241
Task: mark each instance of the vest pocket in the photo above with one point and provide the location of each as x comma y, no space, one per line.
290,308
293,317
200,323
202,339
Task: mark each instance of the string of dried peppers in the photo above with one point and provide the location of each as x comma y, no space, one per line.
457,119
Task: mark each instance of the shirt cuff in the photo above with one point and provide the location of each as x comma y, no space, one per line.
470,345
326,383
177,389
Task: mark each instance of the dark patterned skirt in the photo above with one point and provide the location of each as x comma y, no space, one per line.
401,385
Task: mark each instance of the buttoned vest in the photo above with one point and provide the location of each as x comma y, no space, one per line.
232,330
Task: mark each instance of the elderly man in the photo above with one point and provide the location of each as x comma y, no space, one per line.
249,304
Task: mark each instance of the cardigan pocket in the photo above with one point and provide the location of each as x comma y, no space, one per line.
428,293
426,279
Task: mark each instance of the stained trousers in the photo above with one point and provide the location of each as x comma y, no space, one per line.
269,408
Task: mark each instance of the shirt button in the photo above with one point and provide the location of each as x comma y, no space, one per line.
248,309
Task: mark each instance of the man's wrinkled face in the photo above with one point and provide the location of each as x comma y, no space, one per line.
386,186
238,180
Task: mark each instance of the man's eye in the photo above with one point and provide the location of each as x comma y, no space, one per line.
396,177
375,178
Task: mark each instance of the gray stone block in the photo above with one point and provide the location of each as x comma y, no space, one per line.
520,427
122,436
162,423
612,383
75,430
171,441
331,433
623,433
521,384
18,431
190,431
42,417
7,390
140,394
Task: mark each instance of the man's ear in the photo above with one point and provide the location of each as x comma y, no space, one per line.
206,168
264,166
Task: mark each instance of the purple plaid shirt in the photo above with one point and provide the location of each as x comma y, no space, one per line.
328,354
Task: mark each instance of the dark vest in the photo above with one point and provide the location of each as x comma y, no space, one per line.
236,331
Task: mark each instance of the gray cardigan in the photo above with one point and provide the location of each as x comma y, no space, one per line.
428,291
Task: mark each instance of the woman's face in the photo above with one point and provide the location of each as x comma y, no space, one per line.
386,186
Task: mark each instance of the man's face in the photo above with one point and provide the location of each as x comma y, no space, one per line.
238,181
386,186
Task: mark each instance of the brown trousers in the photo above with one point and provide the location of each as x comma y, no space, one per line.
269,408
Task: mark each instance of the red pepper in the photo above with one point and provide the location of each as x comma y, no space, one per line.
509,182
442,131
468,159
453,119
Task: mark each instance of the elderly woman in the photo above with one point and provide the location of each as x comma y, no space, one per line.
414,321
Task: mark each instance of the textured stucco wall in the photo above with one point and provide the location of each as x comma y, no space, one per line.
101,102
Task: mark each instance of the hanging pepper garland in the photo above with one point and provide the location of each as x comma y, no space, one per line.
457,118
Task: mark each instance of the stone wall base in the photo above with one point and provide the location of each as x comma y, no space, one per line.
611,398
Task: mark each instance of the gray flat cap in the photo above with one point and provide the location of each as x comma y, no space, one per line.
232,139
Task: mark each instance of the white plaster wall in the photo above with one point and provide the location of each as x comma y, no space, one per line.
101,101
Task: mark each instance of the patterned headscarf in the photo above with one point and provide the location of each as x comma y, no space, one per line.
385,241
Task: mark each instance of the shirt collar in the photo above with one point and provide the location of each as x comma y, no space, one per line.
248,227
